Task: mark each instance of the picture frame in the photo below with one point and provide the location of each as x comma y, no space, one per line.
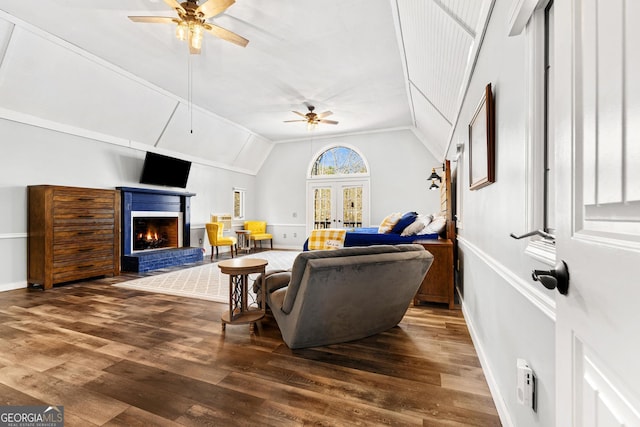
482,143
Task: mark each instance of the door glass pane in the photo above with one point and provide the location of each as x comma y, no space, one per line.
352,206
322,208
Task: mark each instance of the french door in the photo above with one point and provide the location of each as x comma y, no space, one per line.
337,203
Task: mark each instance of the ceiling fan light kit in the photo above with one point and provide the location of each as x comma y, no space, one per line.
312,119
191,22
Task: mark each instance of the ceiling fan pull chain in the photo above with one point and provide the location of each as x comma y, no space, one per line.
190,93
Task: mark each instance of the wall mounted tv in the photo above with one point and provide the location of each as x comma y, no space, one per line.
164,170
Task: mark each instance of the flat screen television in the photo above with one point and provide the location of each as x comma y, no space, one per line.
164,170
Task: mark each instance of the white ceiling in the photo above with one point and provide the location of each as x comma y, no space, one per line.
377,64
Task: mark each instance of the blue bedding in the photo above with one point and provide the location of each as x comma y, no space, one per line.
369,236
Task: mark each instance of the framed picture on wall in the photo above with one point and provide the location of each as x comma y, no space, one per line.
482,143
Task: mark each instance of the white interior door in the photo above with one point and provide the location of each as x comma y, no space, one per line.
597,139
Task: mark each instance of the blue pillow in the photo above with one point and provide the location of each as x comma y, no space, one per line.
406,220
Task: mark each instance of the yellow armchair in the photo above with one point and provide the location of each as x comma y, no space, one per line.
258,231
216,238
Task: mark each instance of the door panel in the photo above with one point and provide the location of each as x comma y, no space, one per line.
598,235
324,211
351,202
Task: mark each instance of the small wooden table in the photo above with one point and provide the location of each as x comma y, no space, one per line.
240,311
243,240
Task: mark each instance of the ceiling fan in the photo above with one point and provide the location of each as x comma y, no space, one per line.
191,22
312,119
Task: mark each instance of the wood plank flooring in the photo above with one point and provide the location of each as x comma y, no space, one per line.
119,357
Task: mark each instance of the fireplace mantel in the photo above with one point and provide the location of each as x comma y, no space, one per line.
135,200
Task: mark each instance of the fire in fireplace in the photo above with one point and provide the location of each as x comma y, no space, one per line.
155,233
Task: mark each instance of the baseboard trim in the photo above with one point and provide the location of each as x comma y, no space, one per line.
12,286
540,300
288,247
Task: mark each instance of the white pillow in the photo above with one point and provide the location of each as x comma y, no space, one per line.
426,218
413,228
436,226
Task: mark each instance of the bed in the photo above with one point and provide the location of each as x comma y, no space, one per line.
438,284
369,236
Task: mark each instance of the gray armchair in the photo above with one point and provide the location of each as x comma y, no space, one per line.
341,295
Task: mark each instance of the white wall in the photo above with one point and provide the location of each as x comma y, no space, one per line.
399,166
33,155
510,316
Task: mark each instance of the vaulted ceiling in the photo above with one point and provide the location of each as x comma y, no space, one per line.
376,64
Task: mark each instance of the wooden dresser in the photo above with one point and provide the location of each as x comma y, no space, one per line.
74,233
437,285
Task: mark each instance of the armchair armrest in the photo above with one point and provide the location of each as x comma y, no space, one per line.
274,280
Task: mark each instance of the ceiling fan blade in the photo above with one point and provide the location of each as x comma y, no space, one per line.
226,34
300,114
291,121
213,7
175,5
154,19
329,122
325,114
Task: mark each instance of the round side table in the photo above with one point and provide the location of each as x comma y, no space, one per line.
240,311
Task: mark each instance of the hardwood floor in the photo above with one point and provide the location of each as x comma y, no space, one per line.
119,357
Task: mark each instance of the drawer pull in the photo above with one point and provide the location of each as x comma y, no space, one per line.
84,267
85,199
85,250
86,216
83,233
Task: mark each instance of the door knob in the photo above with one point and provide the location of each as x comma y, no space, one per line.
557,278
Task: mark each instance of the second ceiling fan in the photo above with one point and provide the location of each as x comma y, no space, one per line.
191,22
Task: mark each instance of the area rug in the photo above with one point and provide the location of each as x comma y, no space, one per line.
204,281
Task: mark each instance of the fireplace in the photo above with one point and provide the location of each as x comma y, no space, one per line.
156,229
155,232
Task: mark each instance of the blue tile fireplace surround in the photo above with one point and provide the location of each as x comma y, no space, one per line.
142,205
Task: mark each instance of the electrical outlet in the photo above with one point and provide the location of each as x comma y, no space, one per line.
295,215
200,241
284,236
295,234
526,385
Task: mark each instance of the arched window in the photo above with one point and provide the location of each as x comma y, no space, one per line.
338,189
338,161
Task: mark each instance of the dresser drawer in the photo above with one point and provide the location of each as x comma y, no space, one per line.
78,235
82,247
82,217
74,200
82,270
68,259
